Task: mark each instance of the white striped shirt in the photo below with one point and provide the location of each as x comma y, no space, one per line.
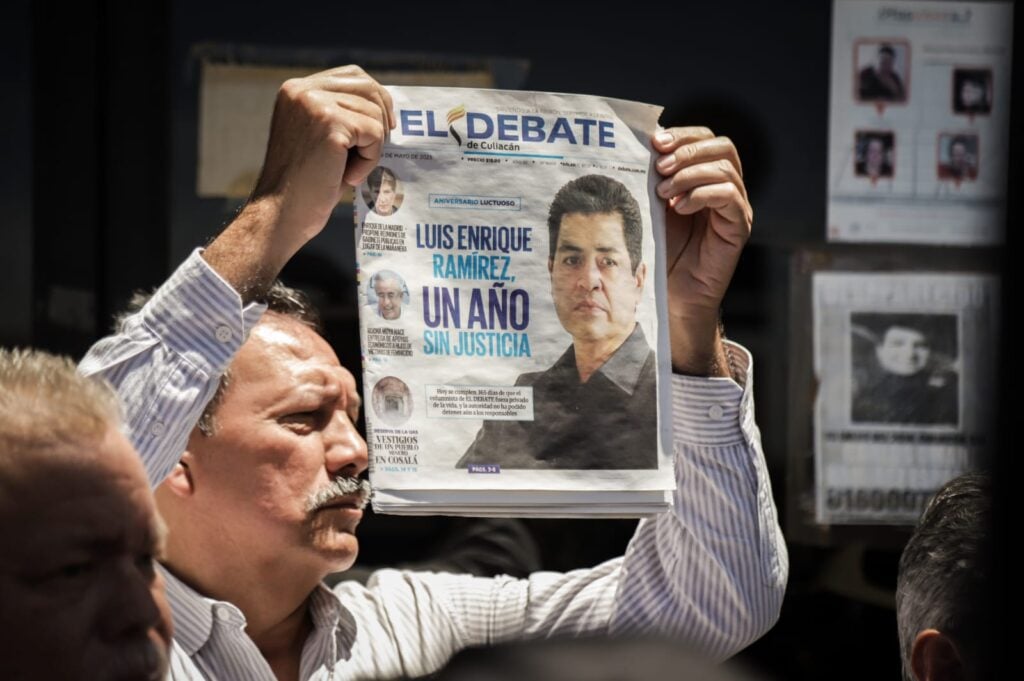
711,573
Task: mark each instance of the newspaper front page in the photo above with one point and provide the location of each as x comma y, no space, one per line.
906,386
509,278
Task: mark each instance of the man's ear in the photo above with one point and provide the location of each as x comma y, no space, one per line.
180,482
934,657
640,276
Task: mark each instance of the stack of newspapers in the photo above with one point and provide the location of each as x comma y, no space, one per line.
511,288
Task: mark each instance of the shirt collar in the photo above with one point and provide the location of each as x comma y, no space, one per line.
327,612
623,368
193,615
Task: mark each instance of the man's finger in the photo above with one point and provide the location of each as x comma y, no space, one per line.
359,167
700,151
347,120
670,138
690,177
389,107
362,86
724,199
366,139
361,105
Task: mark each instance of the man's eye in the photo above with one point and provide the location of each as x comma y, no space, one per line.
608,262
146,564
571,260
302,419
75,570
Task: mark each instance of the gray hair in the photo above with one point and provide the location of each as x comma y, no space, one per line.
944,569
45,403
341,486
387,275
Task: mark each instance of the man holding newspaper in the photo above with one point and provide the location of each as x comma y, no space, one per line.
263,504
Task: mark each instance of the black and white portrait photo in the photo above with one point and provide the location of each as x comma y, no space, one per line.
905,368
881,70
972,91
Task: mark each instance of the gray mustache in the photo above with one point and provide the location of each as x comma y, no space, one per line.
340,487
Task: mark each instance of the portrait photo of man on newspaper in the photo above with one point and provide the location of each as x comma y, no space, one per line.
596,406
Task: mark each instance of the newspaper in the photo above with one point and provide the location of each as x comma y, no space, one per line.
919,123
906,377
512,366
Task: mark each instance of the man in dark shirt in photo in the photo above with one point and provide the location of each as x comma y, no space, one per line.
596,407
906,380
961,162
881,81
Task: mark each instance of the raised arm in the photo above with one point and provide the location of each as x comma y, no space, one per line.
326,133
166,361
720,555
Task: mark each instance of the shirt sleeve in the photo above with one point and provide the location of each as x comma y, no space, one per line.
712,572
165,362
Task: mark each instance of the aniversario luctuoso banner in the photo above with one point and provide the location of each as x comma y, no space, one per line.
509,289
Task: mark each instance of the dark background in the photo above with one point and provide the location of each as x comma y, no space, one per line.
97,199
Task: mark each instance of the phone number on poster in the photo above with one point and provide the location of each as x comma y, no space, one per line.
878,500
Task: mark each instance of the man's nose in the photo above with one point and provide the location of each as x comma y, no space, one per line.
130,609
590,274
346,452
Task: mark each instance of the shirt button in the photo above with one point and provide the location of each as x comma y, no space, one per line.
157,429
222,614
223,333
715,412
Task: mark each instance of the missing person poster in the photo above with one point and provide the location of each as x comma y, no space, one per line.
509,288
919,122
906,389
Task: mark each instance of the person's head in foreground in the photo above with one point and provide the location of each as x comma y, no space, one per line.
274,461
593,658
940,590
597,277
80,597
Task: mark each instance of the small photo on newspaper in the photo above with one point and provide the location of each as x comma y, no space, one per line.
510,287
906,384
